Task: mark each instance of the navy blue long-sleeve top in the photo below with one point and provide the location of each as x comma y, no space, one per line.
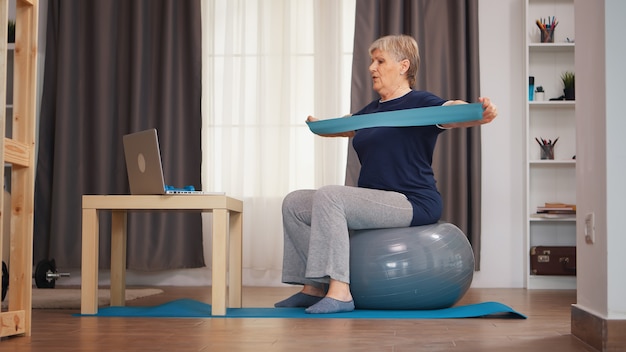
400,158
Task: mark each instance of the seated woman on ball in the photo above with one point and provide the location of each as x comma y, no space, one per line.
396,186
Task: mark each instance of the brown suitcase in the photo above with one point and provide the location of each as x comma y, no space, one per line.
553,260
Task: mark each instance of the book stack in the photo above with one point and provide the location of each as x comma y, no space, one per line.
557,210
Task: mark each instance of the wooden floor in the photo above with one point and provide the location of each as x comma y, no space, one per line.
546,329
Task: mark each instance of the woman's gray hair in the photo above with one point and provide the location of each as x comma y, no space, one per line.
400,47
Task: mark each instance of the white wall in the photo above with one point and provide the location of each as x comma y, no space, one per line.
501,65
615,27
501,79
601,164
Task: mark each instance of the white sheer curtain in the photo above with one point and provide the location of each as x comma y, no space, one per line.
267,65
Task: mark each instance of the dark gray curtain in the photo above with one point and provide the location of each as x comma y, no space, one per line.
114,67
447,34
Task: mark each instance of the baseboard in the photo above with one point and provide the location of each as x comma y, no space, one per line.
599,333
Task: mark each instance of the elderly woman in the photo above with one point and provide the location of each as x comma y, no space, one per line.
396,186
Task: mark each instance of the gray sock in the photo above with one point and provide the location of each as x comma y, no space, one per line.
299,300
330,305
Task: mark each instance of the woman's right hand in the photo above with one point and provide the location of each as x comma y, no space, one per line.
341,134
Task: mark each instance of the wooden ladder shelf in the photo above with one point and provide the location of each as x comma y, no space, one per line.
18,150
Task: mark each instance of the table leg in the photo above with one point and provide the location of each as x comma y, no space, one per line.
118,257
89,268
235,258
218,275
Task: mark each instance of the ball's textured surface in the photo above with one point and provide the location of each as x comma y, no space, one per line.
420,267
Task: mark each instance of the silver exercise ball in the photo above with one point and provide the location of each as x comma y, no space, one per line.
420,267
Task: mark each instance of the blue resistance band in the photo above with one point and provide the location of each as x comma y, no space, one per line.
400,118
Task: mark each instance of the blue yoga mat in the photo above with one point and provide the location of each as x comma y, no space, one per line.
400,118
188,308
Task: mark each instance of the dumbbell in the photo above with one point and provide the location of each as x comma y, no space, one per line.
5,280
46,274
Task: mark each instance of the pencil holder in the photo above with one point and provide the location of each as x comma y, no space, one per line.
547,152
547,36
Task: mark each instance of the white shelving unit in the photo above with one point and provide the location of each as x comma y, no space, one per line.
549,180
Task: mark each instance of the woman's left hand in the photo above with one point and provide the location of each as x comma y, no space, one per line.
490,111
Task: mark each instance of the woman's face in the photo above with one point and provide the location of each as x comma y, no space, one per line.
387,73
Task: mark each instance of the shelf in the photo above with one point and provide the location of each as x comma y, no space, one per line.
552,104
553,162
552,282
19,78
540,217
551,47
549,180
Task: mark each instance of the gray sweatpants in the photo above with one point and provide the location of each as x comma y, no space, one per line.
316,223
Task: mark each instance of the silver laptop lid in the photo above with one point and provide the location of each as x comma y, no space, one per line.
143,162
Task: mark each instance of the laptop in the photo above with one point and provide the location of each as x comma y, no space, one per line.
144,167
